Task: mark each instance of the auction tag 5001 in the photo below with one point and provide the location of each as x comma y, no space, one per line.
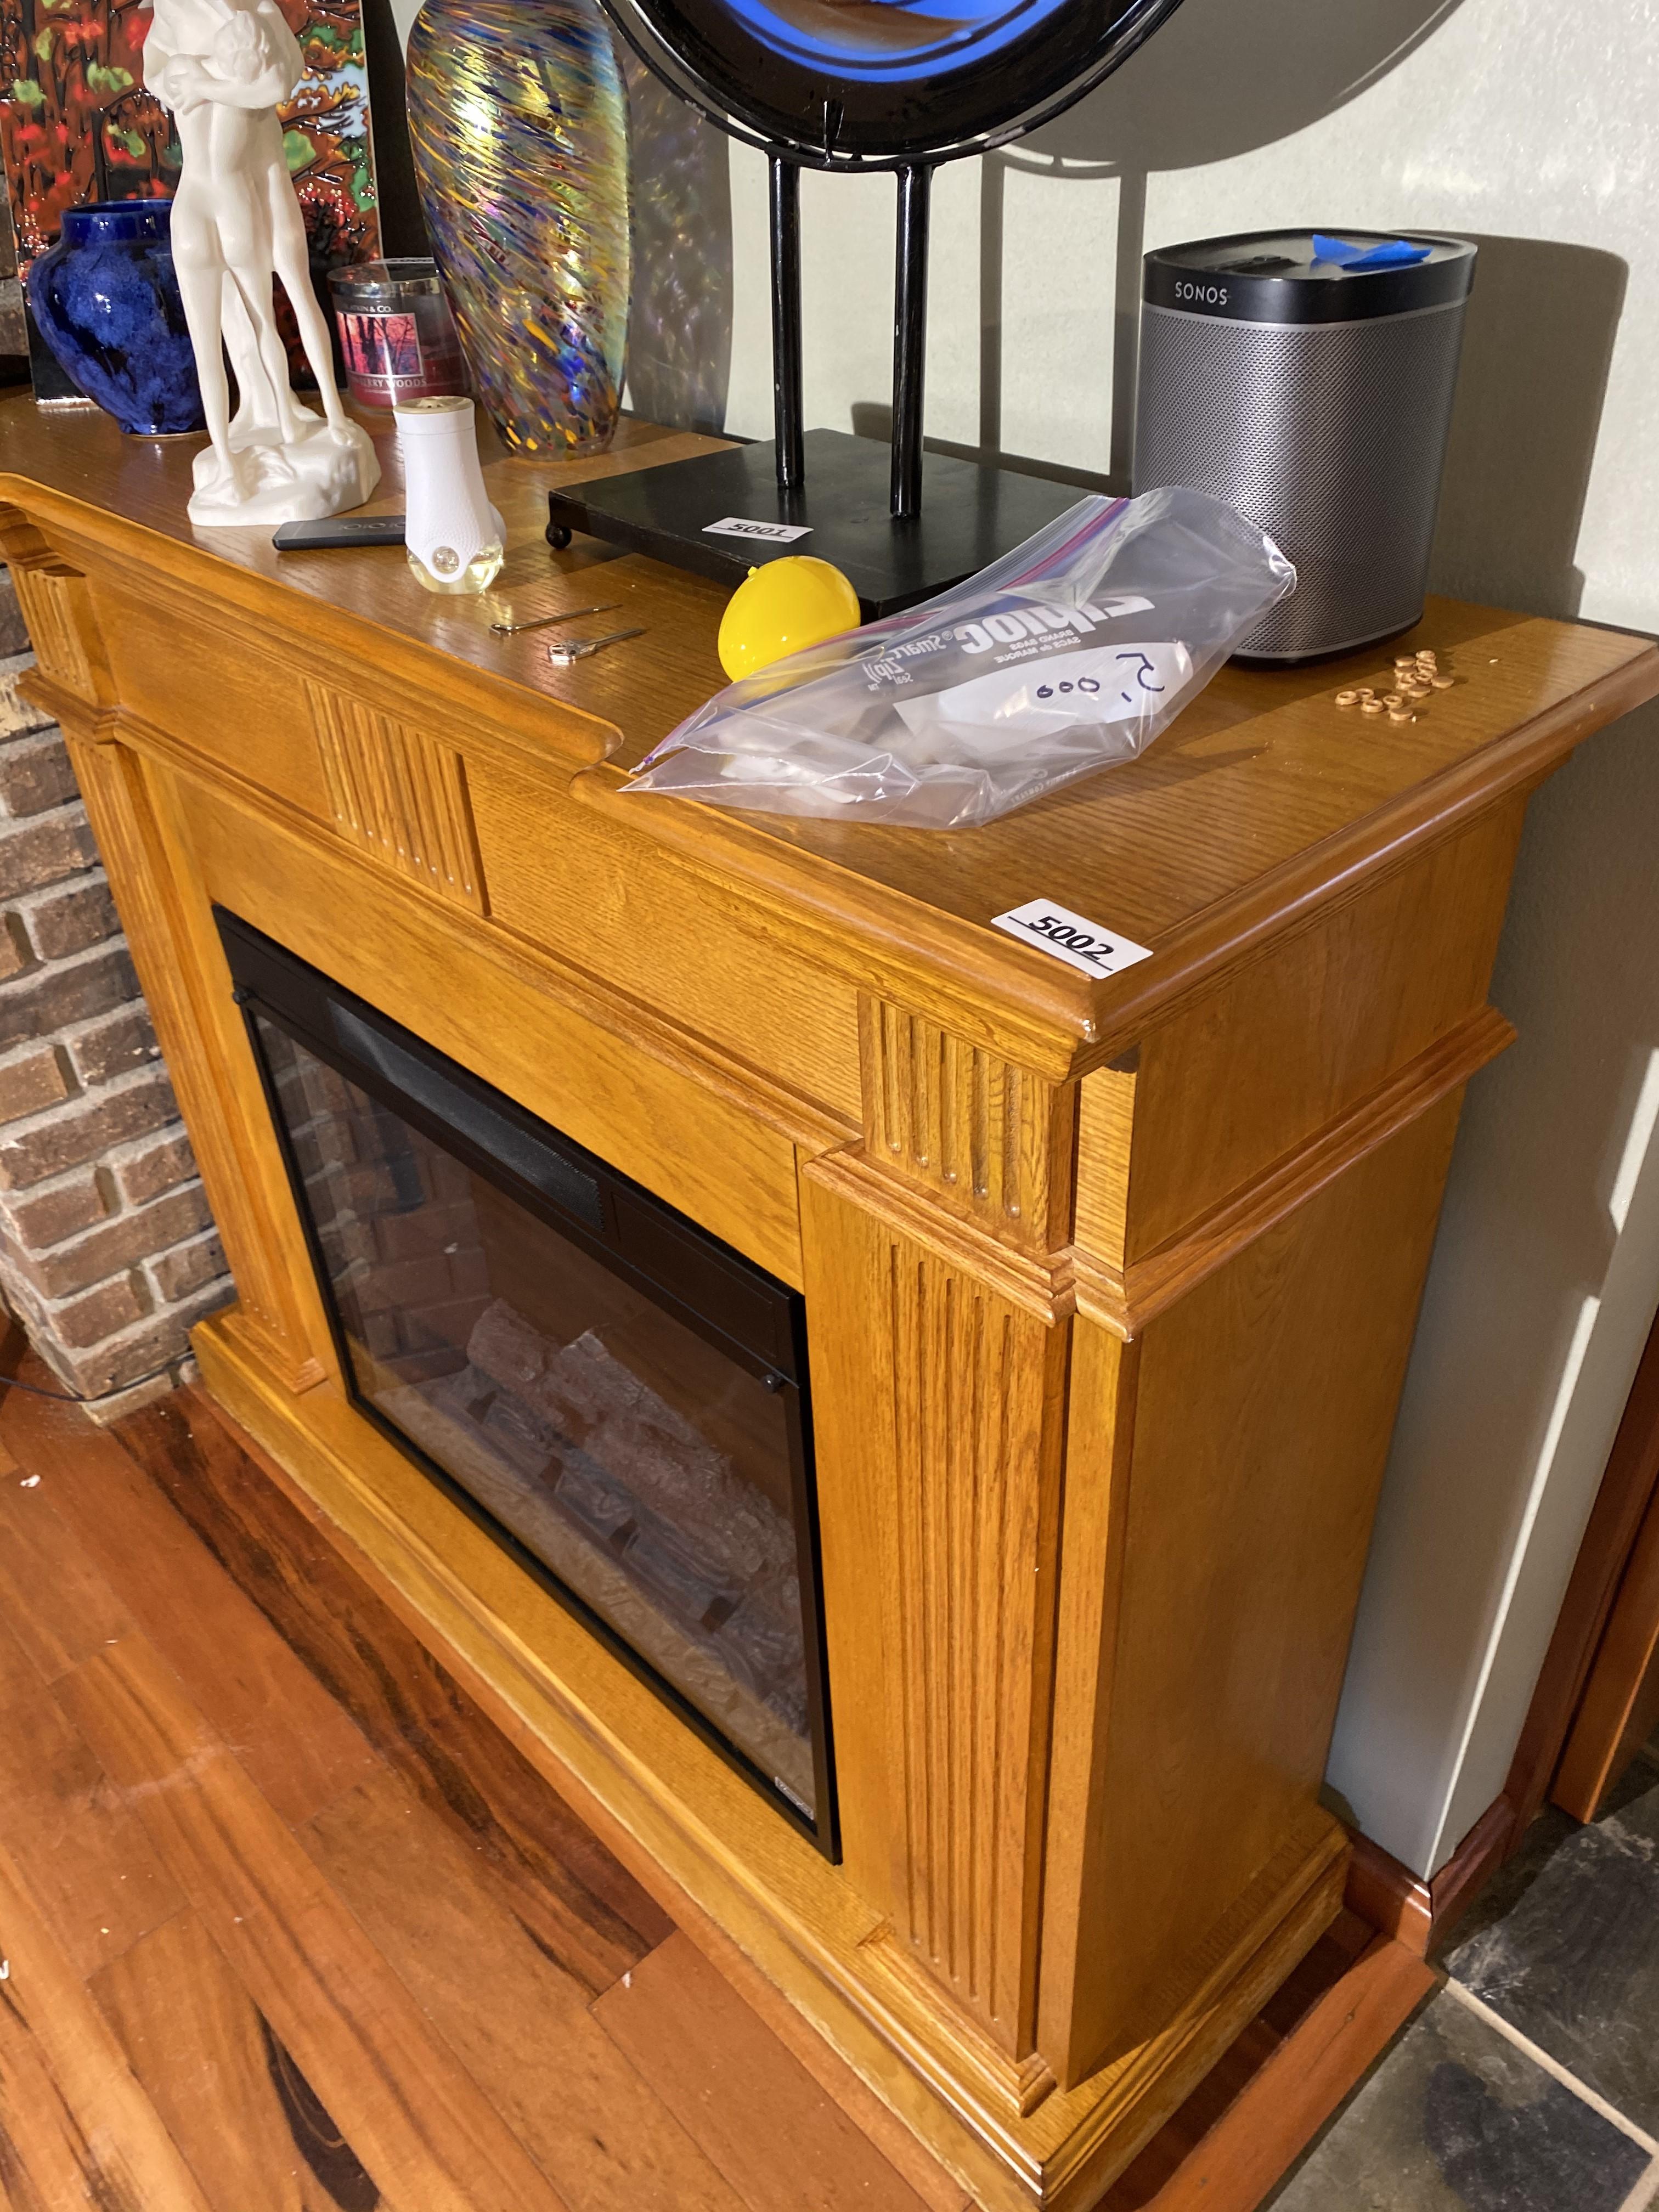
1069,937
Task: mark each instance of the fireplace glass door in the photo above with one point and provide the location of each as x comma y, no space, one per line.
617,1397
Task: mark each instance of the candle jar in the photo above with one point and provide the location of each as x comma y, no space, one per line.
396,332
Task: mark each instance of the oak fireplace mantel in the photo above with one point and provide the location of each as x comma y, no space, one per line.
1107,1284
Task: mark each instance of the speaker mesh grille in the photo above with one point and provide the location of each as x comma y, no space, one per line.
1330,436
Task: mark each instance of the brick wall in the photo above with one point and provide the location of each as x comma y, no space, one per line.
107,1248
396,1221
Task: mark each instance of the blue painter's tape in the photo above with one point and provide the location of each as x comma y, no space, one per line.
1393,254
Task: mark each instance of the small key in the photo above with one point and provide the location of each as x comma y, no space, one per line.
571,614
579,648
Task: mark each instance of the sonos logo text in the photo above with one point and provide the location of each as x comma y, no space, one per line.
1204,295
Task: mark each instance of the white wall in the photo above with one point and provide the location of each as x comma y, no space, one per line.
1540,1297
1535,127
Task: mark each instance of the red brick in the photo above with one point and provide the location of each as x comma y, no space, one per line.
357,1241
452,1323
116,1046
99,1313
120,1362
423,1366
348,1247
175,1274
325,1185
43,850
380,1334
416,1282
362,1189
329,1088
31,1080
312,1165
71,1138
16,953
142,1174
18,716
43,1218
310,1090
402,1283
35,774
69,920
448,1177
14,631
468,1272
121,1241
333,1142
65,991
424,1230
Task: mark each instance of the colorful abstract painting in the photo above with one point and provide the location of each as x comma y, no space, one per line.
326,129
76,125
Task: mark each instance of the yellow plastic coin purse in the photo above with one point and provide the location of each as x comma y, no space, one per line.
781,608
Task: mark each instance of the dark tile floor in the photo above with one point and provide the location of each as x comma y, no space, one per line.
1529,2083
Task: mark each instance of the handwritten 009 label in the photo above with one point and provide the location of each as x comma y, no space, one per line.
1069,937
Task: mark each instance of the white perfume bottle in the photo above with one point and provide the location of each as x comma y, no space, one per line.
454,536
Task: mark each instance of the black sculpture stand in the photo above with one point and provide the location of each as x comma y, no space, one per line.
849,501
972,515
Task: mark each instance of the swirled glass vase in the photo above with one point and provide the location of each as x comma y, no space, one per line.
520,129
107,303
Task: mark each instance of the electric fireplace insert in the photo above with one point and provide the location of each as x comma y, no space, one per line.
617,1396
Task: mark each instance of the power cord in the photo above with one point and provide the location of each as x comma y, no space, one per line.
79,1398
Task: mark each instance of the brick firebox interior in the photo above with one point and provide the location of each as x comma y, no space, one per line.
108,1252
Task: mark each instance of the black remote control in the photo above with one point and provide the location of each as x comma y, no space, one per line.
339,530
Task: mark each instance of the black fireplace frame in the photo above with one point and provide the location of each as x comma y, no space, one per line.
617,1222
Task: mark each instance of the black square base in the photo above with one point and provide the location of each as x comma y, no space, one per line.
970,516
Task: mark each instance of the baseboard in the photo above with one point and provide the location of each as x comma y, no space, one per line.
1282,2108
1472,1865
1419,1914
1389,1895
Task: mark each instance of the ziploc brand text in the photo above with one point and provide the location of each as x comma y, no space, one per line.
1031,628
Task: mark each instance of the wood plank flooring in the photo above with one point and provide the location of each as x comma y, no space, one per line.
288,1925
74,2110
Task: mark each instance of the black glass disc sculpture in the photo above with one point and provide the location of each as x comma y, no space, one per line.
875,84
854,84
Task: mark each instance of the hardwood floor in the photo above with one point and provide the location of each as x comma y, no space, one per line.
289,1925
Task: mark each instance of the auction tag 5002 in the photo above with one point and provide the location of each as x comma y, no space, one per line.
1069,937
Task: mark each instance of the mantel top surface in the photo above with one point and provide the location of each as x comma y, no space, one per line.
1262,796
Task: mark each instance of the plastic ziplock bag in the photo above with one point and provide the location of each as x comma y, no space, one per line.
1071,653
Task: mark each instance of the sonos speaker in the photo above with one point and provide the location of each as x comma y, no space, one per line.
1311,390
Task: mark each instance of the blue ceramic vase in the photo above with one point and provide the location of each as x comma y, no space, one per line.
519,127
107,303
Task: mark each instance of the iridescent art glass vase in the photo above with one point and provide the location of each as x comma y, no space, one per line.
518,124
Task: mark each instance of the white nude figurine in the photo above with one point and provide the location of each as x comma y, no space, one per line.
221,66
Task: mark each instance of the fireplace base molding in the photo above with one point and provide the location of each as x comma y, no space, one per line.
1109,1285
1013,2141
